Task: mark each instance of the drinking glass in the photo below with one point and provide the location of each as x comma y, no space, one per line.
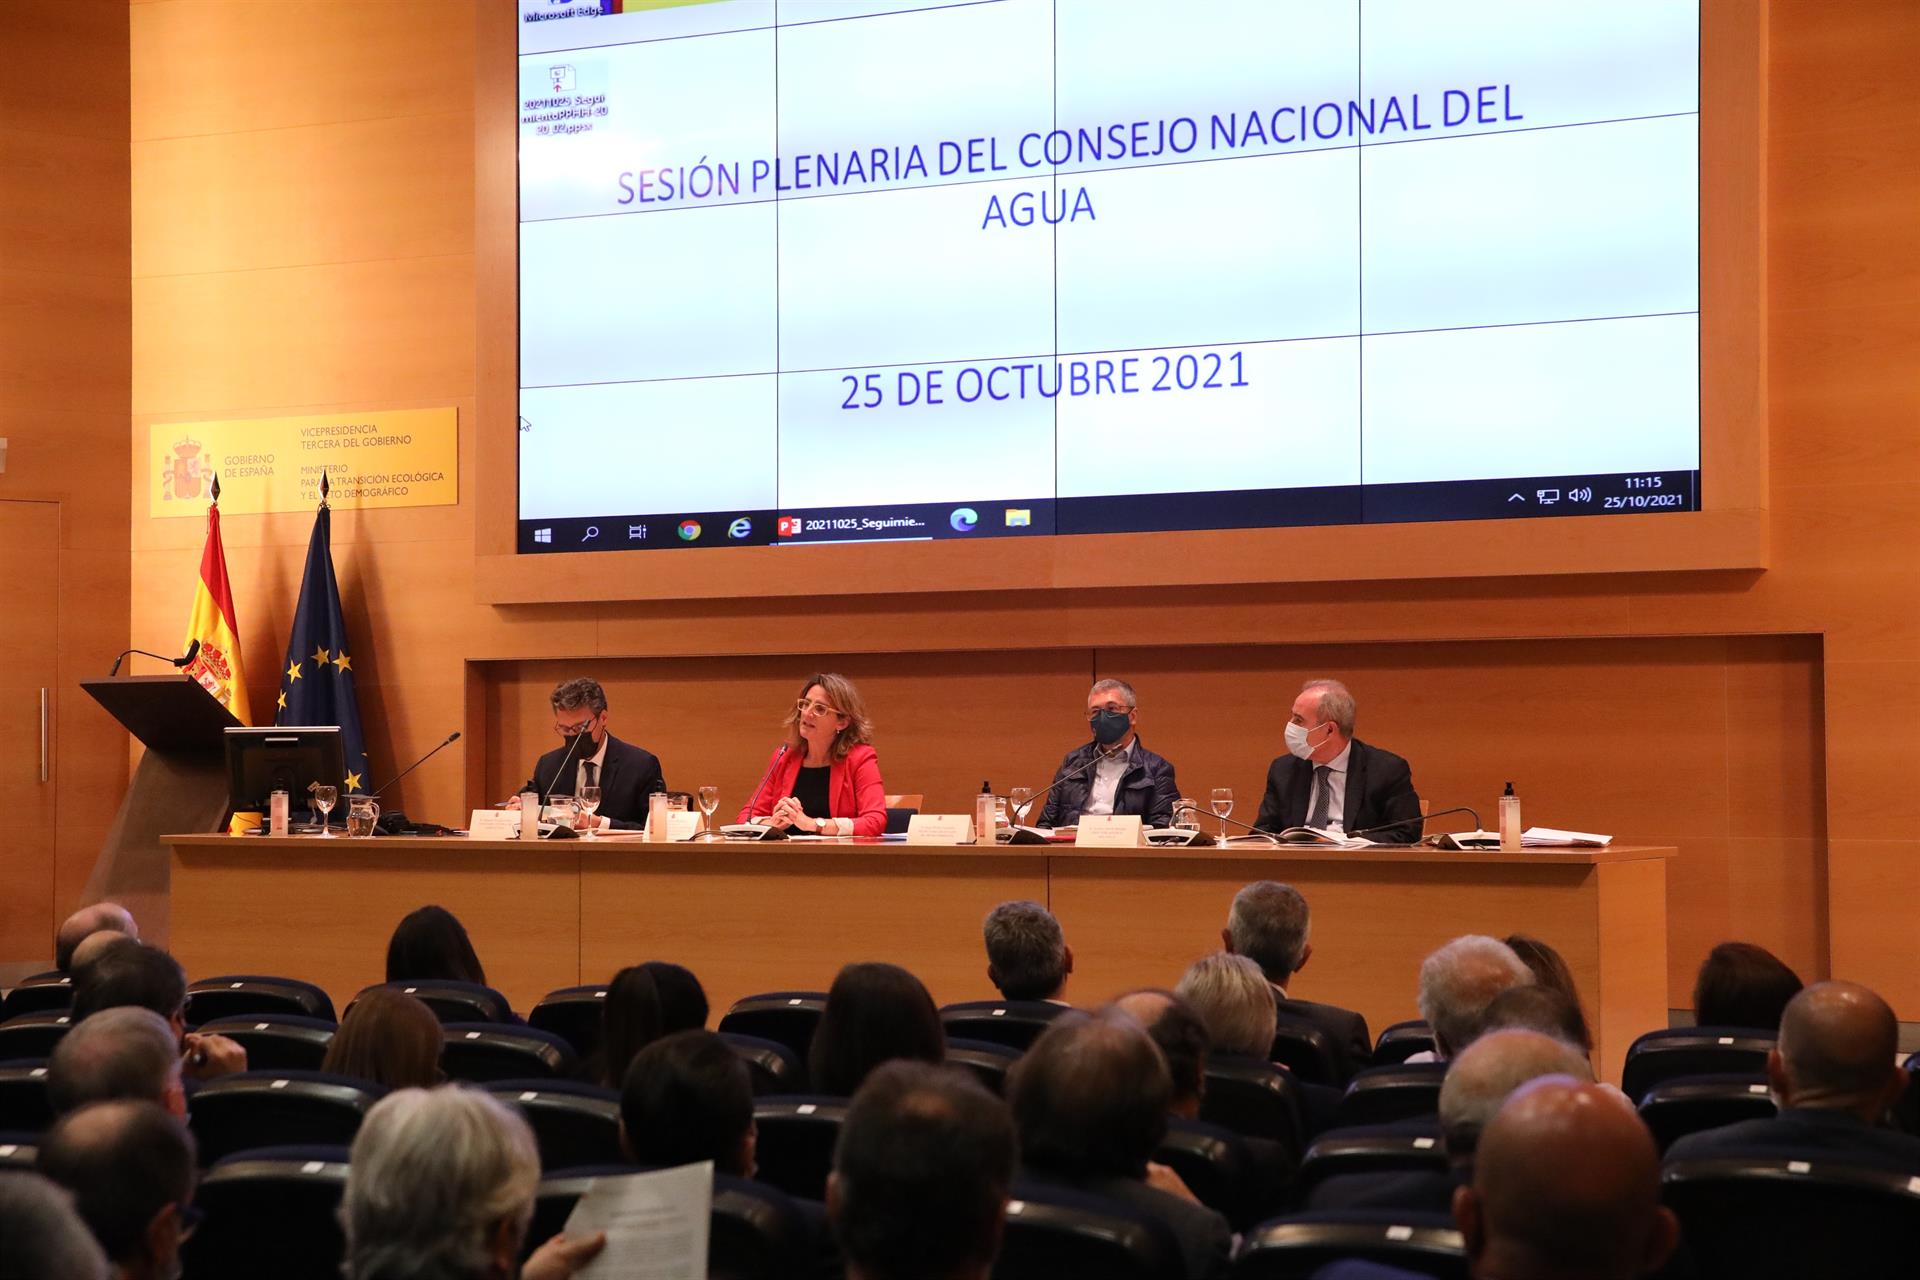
590,805
1022,798
363,816
1186,814
1222,800
709,801
324,798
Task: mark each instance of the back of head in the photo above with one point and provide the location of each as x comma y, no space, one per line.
1180,1034
91,948
1026,952
45,1238
125,1052
1090,1097
875,1013
687,1097
1837,1046
390,1038
1537,1008
431,1176
124,1162
100,917
683,1002
1232,996
131,973
429,945
921,1174
1269,924
1488,1071
629,1020
1566,1184
1741,985
1459,981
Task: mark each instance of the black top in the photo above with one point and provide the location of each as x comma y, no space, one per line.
810,789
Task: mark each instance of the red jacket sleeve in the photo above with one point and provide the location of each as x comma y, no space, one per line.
869,793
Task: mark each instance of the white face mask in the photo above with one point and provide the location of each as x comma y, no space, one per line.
1297,743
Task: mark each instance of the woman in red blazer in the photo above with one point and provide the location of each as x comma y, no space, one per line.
825,779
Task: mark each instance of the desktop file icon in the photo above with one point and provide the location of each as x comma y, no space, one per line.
1019,517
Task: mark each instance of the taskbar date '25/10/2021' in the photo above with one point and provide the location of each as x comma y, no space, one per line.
1623,493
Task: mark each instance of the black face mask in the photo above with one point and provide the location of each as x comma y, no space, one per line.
1111,726
582,744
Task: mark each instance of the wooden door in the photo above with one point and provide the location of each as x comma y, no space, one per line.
29,620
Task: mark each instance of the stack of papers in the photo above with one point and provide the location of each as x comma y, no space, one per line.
1332,837
1548,837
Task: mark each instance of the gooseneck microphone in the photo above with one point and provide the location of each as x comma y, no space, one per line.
558,773
1395,826
184,659
1026,837
447,741
772,833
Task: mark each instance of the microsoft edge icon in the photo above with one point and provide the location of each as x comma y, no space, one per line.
964,518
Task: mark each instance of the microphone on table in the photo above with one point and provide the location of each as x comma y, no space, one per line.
548,792
193,651
1019,835
382,790
768,833
1395,826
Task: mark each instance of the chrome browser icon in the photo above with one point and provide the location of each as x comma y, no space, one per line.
689,530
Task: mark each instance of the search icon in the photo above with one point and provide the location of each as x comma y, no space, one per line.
593,531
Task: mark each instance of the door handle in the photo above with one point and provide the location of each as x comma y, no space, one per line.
45,764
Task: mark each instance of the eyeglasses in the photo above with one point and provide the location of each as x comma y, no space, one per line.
568,730
1094,713
806,705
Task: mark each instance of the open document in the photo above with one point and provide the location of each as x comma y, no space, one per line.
656,1224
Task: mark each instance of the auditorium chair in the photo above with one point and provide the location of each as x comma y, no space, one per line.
456,1001
18,1150
1675,1108
755,1232
795,1144
1381,1095
478,1052
575,1014
789,1017
240,994
901,810
1693,1051
1054,1232
1014,1023
24,1107
1220,1170
1297,1245
987,1061
277,1042
771,1066
1401,1041
1305,1050
277,1108
1779,1213
32,1035
1254,1099
573,1124
1371,1150
1906,1111
48,992
270,1212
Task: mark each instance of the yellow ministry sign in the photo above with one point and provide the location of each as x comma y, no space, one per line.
393,458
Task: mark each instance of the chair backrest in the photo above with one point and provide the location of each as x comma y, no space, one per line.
914,800
1778,1213
755,1233
989,1062
32,1035
250,993
1692,1104
24,1107
1255,1099
795,1146
1299,1244
1305,1050
1401,1041
771,1065
1015,1023
272,1212
456,1001
1054,1232
277,1108
1217,1167
277,1042
573,1124
1371,1150
18,1150
575,1014
478,1052
1380,1095
38,993
1693,1051
789,1017
899,820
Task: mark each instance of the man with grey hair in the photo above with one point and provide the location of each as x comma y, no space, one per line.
589,756
1457,983
1113,773
440,1184
1269,923
44,1235
1027,956
130,1168
1330,779
1233,998
125,1052
101,917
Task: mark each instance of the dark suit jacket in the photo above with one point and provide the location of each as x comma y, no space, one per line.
1379,791
628,776
1346,1031
1412,1190
1809,1129
1147,788
1206,1241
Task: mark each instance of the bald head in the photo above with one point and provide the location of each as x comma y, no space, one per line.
108,916
1566,1185
1837,1048
127,1164
1483,1077
91,948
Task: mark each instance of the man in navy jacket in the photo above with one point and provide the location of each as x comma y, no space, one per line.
1114,773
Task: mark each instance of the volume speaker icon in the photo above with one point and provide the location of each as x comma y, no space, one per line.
1580,495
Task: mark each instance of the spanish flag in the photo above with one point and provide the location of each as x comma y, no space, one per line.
217,665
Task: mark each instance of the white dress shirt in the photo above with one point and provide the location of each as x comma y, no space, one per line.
1336,777
1106,780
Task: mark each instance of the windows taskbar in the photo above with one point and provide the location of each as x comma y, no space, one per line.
1528,497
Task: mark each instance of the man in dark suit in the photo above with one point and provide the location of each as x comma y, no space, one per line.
589,756
1834,1074
1269,924
1330,778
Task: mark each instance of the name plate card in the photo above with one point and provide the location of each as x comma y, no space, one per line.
1110,831
494,824
940,828
682,824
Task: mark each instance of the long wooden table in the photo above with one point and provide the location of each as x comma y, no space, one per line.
754,917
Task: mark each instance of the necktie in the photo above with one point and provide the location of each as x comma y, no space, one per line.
1322,796
593,772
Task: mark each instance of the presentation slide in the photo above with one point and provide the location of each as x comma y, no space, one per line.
795,272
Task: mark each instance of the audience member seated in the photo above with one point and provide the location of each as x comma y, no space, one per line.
875,1013
431,945
1833,1074
130,973
683,1002
1027,956
1181,1036
630,1021
390,1038
1269,923
1549,969
440,1183
101,917
1235,1002
130,1168
687,1097
1090,1102
921,1176
1741,985
45,1237
1457,983
1537,1008
124,1053
91,948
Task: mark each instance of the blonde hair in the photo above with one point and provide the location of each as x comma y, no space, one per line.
847,701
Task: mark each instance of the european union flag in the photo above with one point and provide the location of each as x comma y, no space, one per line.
316,685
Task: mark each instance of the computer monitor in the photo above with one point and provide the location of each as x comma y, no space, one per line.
282,758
